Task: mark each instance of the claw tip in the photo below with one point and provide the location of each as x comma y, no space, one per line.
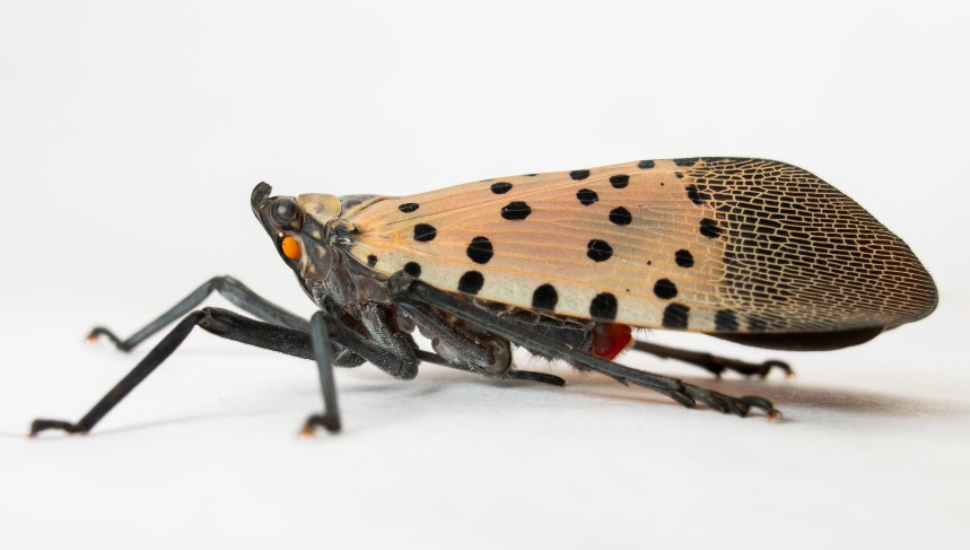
308,432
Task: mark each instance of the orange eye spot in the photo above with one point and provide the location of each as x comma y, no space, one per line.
291,248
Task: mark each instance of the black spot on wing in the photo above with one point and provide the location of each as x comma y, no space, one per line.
710,229
619,181
408,207
620,216
480,250
684,258
697,196
371,260
517,210
646,164
587,196
676,316
725,320
686,161
579,174
665,289
501,188
756,324
599,250
424,232
413,269
545,298
603,307
471,282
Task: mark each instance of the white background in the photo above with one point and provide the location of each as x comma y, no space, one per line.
131,138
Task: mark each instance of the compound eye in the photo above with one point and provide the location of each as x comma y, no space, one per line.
285,213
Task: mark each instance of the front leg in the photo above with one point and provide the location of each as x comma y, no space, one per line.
317,344
155,357
320,337
239,295
383,332
216,321
234,291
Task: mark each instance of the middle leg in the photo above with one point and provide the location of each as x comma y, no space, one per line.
239,294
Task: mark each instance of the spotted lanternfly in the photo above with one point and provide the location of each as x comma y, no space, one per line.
564,264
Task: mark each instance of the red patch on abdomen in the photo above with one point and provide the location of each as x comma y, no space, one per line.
609,339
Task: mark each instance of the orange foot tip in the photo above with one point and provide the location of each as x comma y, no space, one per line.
93,337
308,431
775,415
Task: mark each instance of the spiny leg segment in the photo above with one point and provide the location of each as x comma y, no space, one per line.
713,363
407,292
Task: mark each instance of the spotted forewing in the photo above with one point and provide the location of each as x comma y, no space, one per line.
729,245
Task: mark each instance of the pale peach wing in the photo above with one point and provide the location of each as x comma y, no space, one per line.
700,244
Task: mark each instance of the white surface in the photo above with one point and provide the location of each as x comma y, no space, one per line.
130,139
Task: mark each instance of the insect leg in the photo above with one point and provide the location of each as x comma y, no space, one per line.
217,321
233,290
406,290
511,374
713,363
320,336
233,326
476,349
368,346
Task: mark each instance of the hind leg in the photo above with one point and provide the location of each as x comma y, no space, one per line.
713,363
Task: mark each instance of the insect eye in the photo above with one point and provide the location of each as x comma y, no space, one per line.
285,213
